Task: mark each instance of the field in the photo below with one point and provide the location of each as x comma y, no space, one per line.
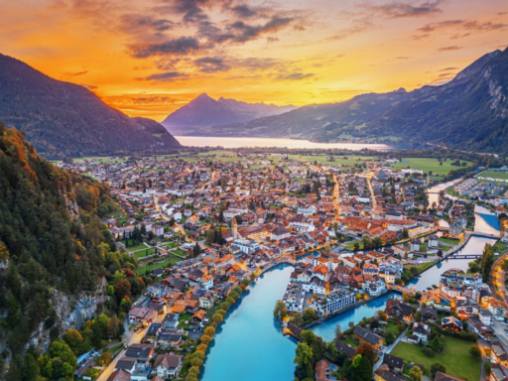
336,160
101,159
449,241
429,165
456,358
494,174
166,262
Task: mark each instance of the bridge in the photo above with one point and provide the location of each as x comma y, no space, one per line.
484,235
465,256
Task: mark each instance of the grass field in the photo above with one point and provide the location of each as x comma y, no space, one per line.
429,165
449,241
101,159
421,267
494,174
456,358
166,262
340,161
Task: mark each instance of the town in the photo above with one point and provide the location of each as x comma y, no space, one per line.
353,229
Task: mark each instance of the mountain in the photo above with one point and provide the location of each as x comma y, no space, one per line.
54,252
199,116
469,112
63,119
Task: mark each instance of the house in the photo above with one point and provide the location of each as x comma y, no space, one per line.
498,355
141,315
451,323
368,337
399,310
120,375
384,374
420,334
140,352
342,347
167,365
498,373
127,364
394,363
324,370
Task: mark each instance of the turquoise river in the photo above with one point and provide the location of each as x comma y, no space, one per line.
250,347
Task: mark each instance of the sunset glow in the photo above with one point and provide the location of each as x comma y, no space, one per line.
150,57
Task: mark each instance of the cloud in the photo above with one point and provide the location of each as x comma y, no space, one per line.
212,64
449,48
76,73
462,28
165,76
134,23
358,26
296,76
240,31
399,9
179,45
244,11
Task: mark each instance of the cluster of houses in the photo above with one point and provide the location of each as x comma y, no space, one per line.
331,283
264,213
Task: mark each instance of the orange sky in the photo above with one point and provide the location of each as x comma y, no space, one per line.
150,57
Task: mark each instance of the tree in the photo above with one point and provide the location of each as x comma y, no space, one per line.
415,373
280,310
475,351
486,261
75,341
309,315
304,360
437,367
360,369
196,250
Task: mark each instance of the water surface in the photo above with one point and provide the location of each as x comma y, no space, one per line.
245,142
432,276
250,347
327,329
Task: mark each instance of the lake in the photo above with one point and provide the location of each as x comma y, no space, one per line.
229,142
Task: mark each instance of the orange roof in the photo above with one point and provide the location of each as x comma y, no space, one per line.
200,314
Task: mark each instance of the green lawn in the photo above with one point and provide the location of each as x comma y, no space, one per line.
456,358
169,244
422,266
337,160
166,262
449,241
494,174
429,165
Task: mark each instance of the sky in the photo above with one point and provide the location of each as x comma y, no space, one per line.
150,57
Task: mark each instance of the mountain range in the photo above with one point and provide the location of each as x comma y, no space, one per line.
200,116
469,112
63,119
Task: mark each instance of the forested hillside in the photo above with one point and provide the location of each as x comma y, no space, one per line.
53,246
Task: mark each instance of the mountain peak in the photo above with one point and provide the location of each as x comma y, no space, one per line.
64,119
204,111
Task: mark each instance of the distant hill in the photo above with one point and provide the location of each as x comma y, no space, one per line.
470,112
200,116
63,119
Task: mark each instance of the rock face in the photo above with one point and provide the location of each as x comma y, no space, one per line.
53,238
63,119
470,112
200,116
